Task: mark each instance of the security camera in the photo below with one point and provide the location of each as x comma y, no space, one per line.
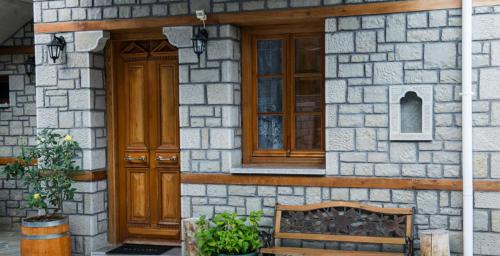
200,14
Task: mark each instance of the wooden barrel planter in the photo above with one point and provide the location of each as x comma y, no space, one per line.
45,238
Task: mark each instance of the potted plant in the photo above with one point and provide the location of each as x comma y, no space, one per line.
227,234
47,170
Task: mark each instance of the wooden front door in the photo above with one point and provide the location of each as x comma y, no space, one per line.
148,141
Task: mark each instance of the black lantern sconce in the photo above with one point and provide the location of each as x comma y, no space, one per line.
29,66
56,46
201,37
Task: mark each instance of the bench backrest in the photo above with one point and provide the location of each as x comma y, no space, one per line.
342,221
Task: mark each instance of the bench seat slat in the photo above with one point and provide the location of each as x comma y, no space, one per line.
341,238
295,251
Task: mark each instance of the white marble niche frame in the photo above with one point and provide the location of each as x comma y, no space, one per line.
396,93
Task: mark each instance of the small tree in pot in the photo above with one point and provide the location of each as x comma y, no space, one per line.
227,234
47,170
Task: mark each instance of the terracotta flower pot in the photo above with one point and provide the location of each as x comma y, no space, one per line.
51,237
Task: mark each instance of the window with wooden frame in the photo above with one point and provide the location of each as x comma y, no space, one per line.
283,95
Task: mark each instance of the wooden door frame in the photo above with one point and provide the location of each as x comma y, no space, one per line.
111,121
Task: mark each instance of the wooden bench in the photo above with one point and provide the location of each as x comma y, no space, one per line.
342,221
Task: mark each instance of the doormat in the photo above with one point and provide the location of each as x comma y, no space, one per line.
140,249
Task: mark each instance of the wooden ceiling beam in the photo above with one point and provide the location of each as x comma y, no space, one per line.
17,50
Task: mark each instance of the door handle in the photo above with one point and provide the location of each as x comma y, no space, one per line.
131,159
164,159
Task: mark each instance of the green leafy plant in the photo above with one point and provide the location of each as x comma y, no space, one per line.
47,169
227,233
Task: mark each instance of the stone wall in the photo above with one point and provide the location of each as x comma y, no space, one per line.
74,10
17,123
365,57
71,100
209,98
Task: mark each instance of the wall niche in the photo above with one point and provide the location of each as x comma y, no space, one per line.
410,110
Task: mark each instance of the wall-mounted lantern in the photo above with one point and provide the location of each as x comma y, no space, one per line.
29,66
201,37
200,41
56,46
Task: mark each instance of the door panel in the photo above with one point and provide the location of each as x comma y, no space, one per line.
138,198
168,195
168,107
148,141
137,119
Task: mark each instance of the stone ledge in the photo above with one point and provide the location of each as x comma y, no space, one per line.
282,171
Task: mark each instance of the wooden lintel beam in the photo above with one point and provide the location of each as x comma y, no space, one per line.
17,50
339,182
294,15
84,176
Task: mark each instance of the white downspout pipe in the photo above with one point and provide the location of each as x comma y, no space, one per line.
468,203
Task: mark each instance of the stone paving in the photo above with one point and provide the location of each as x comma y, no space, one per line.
9,242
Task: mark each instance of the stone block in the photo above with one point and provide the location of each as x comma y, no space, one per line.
221,138
83,225
438,18
488,200
80,99
349,23
351,70
332,163
220,93
488,27
366,139
440,55
375,94
375,21
242,190
489,87
421,76
395,28
204,75
388,73
220,49
427,202
409,51
486,243
341,42
358,194
382,195
387,170
190,138
335,91
340,139
486,139
417,20
403,196
192,94
495,220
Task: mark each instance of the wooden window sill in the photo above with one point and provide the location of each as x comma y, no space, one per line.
308,171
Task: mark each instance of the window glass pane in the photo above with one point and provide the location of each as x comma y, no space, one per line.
307,95
269,56
270,132
308,55
308,132
270,95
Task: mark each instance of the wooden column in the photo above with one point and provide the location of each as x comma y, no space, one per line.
434,243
